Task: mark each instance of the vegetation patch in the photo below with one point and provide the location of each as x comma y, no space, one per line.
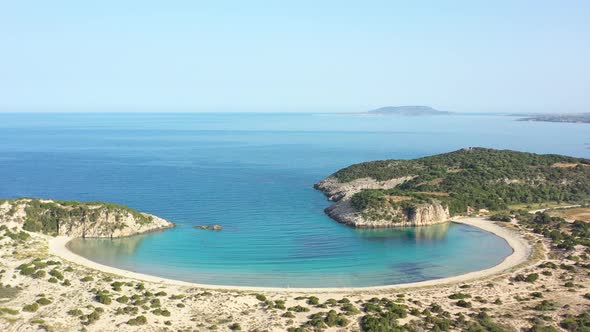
475,178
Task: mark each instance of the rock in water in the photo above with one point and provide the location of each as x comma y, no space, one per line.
209,227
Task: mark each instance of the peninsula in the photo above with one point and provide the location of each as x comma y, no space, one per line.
433,189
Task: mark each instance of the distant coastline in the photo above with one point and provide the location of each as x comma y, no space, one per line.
558,117
411,110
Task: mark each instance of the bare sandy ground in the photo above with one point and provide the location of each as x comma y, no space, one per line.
520,246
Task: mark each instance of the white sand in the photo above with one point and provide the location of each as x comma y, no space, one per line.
521,252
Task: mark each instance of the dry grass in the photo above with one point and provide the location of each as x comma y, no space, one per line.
434,193
395,199
432,182
565,165
455,170
578,213
536,206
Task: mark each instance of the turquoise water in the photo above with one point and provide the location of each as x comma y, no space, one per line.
253,174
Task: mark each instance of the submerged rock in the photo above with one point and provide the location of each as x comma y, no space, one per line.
209,227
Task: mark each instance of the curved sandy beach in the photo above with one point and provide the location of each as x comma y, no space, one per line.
521,251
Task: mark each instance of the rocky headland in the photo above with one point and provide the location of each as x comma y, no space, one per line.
431,190
77,219
344,212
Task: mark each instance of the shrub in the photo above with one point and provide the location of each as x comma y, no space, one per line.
504,217
55,273
464,304
92,317
27,270
459,296
128,310
161,312
117,286
123,299
8,311
349,309
43,301
335,319
87,279
154,303
235,327
545,305
139,320
280,304
103,298
548,265
436,308
260,297
313,300
31,307
576,323
75,312
298,308
381,323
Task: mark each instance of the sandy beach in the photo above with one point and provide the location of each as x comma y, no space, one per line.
521,250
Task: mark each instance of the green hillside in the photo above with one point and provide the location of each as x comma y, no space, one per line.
474,177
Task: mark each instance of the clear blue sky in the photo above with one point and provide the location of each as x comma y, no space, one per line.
294,55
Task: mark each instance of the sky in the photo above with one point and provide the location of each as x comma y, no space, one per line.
294,56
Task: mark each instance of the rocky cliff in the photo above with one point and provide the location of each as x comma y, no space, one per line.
76,219
342,210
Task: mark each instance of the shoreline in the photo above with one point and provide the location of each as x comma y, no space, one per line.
521,251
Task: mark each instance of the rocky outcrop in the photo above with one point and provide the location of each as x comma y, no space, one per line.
343,212
337,191
209,227
75,219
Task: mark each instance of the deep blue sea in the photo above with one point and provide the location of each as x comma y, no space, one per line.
253,174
